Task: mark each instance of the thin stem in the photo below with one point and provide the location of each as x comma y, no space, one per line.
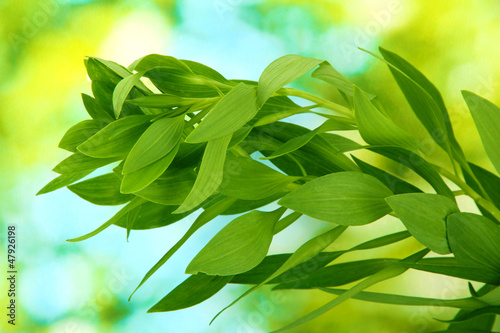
318,100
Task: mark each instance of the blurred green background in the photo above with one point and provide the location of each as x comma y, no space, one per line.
83,287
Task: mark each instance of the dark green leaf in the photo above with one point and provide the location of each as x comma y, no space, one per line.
474,240
194,290
95,110
417,164
171,188
150,215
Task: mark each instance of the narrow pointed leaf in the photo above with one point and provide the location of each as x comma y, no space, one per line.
157,141
122,90
232,111
63,180
281,72
247,179
424,215
139,179
101,190
210,175
239,246
376,128
486,116
149,215
79,133
461,303
95,110
194,290
117,138
347,198
171,188
79,162
131,205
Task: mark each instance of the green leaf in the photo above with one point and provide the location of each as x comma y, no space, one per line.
307,251
95,110
462,303
122,90
327,73
194,290
232,111
417,164
338,275
117,138
285,222
131,205
340,143
121,72
79,133
101,190
171,188
377,129
210,174
485,275
239,246
384,274
247,179
156,60
346,198
157,141
422,103
491,297
474,240
139,179
242,206
200,69
78,162
292,145
63,180
424,215
395,184
281,72
486,116
150,215
209,214
489,182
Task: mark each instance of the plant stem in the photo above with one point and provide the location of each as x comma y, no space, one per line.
492,209
318,100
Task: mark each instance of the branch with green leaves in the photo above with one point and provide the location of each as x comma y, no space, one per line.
176,137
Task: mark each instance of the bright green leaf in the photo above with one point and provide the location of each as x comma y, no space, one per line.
424,215
79,133
171,188
63,180
210,174
346,198
78,162
281,72
117,138
239,246
377,129
247,179
157,141
101,190
194,290
486,116
232,111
